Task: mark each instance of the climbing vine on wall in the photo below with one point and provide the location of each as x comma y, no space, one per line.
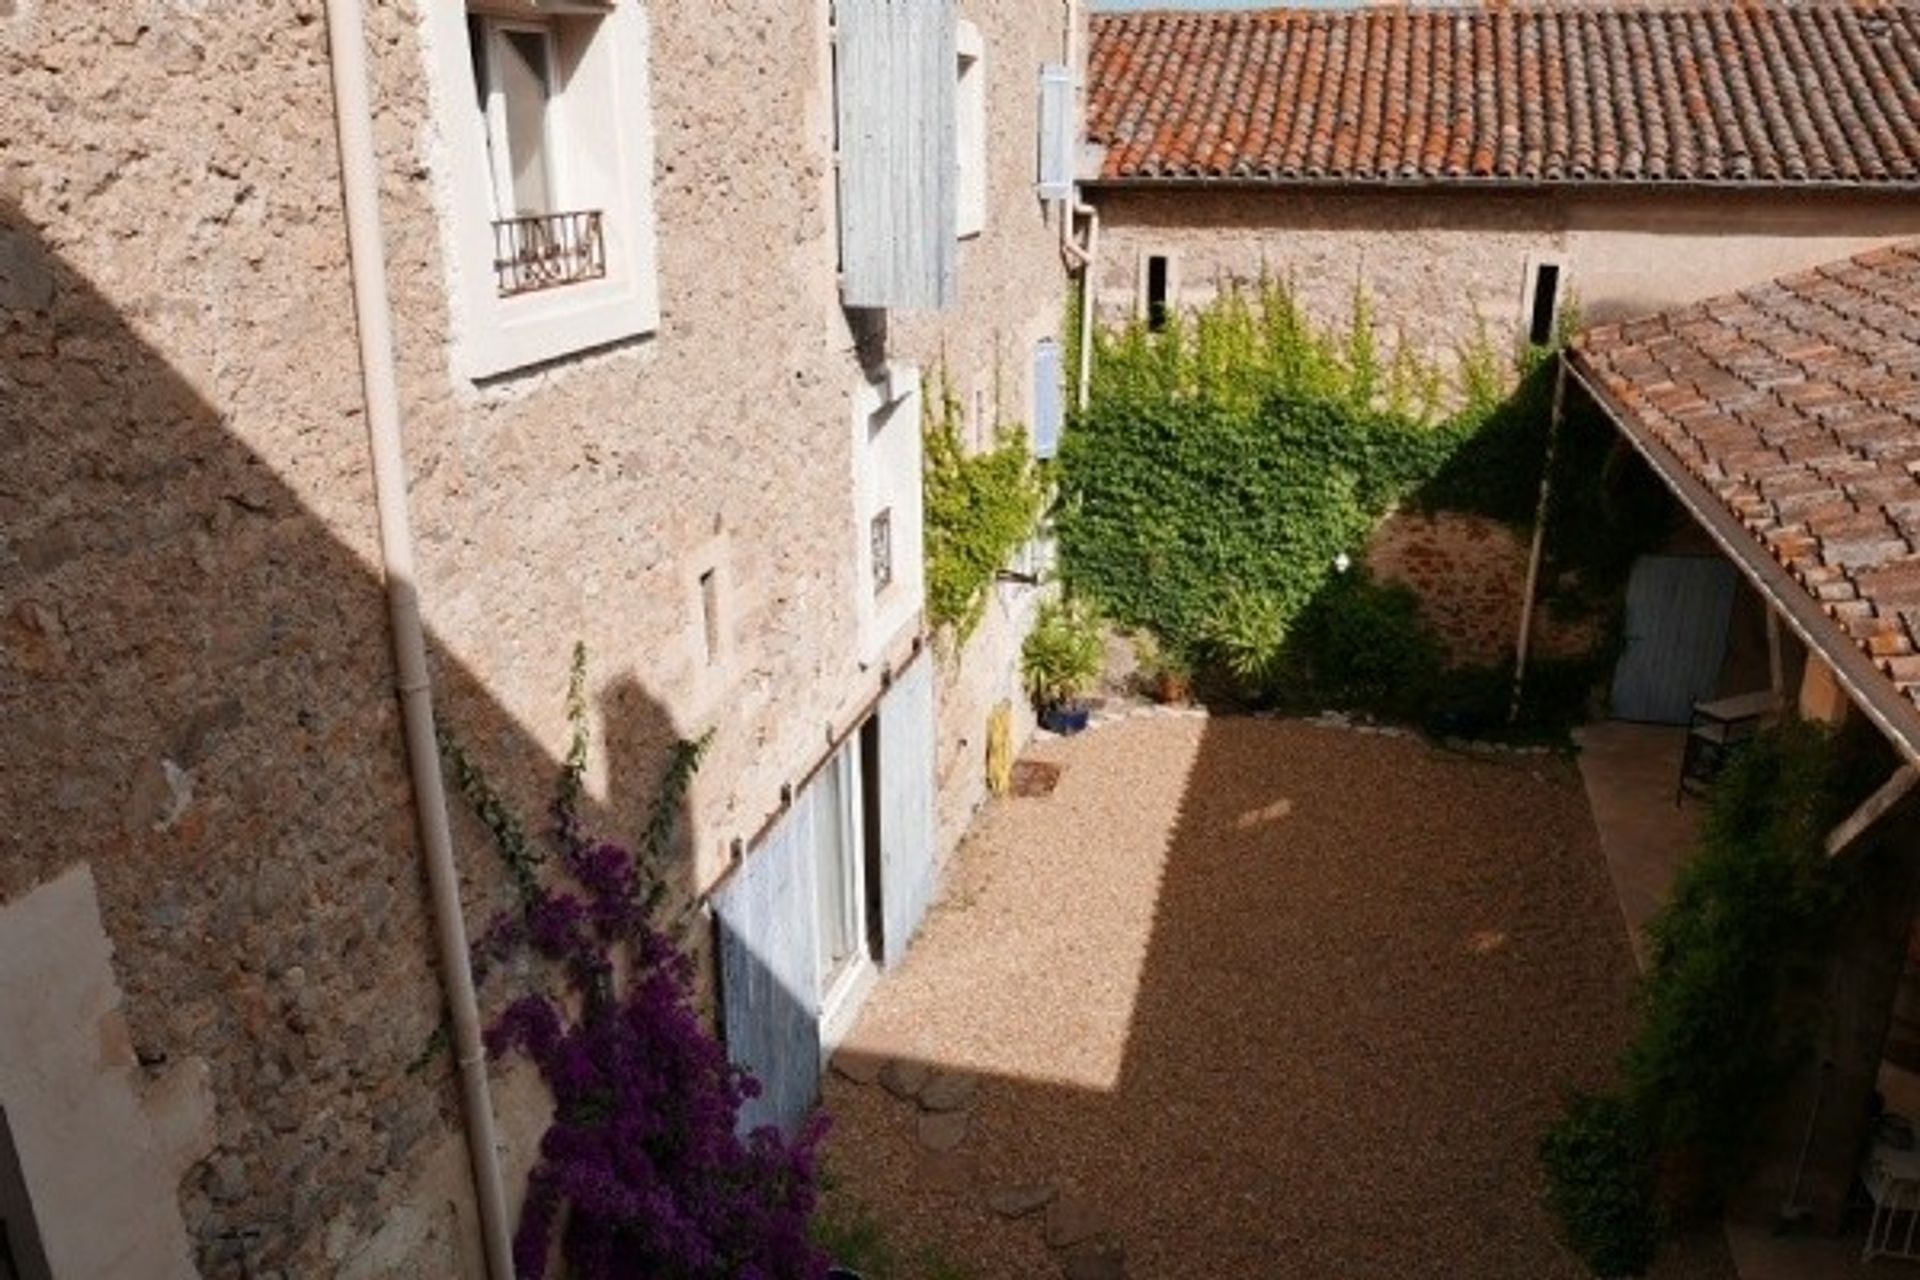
1736,955
1226,463
979,508
642,1172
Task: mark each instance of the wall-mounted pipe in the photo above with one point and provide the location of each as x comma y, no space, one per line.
359,180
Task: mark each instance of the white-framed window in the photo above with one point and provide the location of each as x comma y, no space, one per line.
970,131
889,508
545,176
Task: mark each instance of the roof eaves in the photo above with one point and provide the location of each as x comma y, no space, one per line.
1891,711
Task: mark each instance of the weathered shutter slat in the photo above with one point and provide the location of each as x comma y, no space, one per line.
907,839
1048,400
767,945
895,98
1057,132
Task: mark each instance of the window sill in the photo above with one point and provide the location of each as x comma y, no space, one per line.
528,329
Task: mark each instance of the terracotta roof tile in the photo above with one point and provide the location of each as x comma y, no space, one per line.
1755,93
1791,404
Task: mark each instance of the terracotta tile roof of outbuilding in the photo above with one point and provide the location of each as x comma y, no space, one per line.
1736,94
1796,406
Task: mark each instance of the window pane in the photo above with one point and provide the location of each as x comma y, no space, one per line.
834,853
524,83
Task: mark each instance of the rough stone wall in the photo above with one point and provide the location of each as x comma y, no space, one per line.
1432,266
1012,294
193,651
1436,263
1470,574
194,658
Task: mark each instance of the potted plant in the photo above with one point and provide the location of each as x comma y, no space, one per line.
1165,674
1060,664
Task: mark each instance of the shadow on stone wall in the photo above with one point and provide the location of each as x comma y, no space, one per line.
197,678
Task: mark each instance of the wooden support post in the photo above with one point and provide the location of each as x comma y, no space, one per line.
1539,536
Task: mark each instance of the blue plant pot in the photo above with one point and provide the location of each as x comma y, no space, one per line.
1065,717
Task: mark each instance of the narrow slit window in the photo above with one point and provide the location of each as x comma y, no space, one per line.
710,614
1546,303
1158,272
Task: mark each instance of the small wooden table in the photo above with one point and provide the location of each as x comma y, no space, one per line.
1714,730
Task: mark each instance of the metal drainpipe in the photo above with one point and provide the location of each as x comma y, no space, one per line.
359,180
1088,257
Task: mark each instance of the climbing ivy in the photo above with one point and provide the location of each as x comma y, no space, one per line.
1225,464
1736,956
979,509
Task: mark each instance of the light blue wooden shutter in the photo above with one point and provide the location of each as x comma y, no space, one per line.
894,86
906,808
1047,398
770,1010
1057,132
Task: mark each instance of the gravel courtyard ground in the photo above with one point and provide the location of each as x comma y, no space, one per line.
1243,998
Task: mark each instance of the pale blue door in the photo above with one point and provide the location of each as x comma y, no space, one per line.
768,958
906,808
1678,609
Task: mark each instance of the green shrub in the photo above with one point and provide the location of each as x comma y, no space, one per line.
1745,931
1600,1185
1737,957
1061,658
1246,633
1363,645
1223,465
979,509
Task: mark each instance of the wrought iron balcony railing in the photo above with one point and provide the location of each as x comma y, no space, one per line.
547,250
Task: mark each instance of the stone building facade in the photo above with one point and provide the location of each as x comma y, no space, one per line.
208,874
1443,268
1478,167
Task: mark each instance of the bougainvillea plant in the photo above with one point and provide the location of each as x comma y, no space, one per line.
643,1172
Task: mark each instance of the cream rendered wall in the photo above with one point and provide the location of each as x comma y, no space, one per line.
1436,262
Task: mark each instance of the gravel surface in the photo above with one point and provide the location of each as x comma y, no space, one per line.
1248,998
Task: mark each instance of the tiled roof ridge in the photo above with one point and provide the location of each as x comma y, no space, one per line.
1475,8
1649,92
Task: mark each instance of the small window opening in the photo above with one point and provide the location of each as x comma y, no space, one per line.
1157,274
710,614
1546,303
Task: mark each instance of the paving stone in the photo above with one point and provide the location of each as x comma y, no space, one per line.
955,1172
942,1130
949,1091
905,1078
1018,1202
1072,1220
860,1068
1105,1261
